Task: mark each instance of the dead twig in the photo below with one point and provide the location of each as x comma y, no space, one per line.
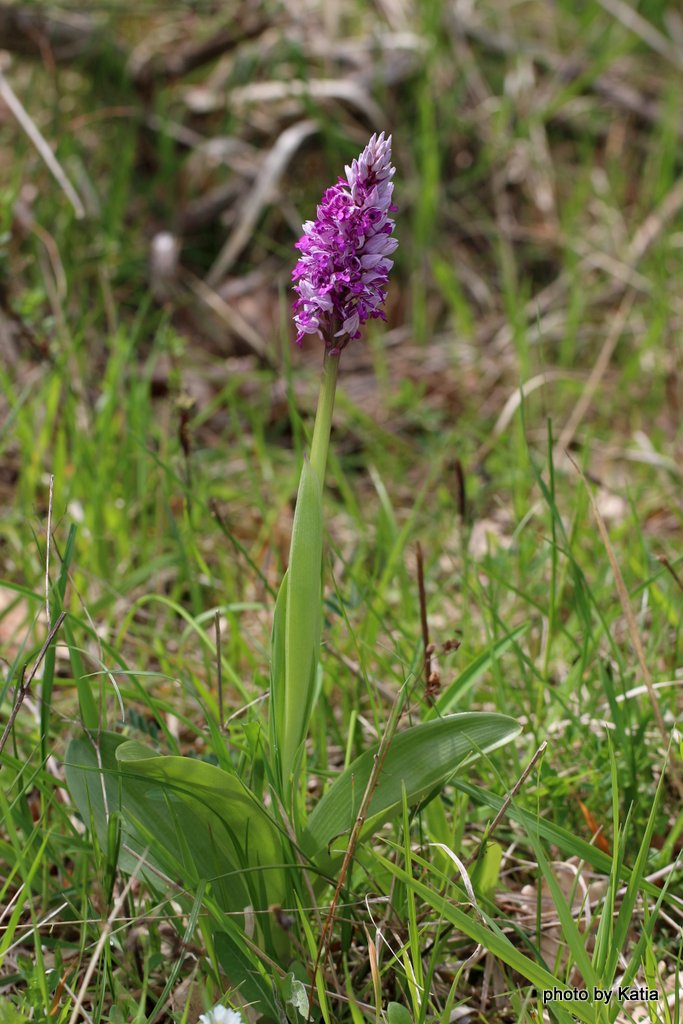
378,763
25,121
24,684
266,181
508,800
428,650
33,32
158,69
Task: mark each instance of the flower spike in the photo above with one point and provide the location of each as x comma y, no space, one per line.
341,277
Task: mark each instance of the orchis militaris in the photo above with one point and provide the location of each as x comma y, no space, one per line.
215,828
343,274
341,281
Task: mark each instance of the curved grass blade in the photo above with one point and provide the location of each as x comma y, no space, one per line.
567,841
492,938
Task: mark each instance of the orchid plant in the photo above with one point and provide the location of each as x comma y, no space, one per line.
252,855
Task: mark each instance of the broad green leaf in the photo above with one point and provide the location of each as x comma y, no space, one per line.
397,1014
469,676
303,613
487,870
420,759
193,820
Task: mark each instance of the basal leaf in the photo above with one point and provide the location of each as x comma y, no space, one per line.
193,820
92,776
397,1014
421,759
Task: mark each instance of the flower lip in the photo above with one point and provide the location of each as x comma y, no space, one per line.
342,274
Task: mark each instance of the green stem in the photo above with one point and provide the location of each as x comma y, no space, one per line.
323,416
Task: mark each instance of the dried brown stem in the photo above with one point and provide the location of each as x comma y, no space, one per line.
24,684
509,798
423,617
162,68
351,848
27,123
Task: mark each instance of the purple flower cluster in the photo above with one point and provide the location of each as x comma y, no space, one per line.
343,272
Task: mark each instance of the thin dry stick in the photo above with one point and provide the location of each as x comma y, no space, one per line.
24,685
378,762
229,315
632,626
598,371
643,239
47,554
262,192
24,119
104,935
644,29
423,615
669,567
508,799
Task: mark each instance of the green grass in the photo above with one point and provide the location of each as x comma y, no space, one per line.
151,538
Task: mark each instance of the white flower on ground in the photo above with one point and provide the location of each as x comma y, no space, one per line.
221,1015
